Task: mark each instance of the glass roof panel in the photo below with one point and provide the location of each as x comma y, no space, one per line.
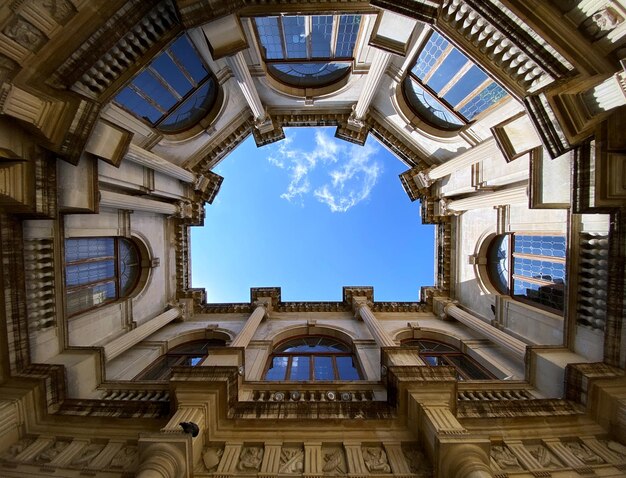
137,105
487,97
269,36
466,84
444,73
295,36
165,67
187,56
321,35
346,38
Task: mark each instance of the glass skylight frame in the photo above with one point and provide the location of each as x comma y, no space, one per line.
429,81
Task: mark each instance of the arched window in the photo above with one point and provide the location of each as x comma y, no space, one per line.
189,354
313,357
445,88
308,50
98,271
437,354
530,268
174,92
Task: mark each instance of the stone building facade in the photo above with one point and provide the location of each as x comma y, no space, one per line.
509,117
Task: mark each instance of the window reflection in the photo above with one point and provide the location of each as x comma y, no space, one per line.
308,50
447,88
174,91
312,358
436,354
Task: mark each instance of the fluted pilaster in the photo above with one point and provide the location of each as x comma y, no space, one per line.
150,160
362,309
133,337
372,82
513,345
245,335
135,203
502,197
238,65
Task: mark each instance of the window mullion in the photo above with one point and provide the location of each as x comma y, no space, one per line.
182,68
165,84
455,79
308,29
283,42
538,257
437,64
474,93
334,36
533,280
147,98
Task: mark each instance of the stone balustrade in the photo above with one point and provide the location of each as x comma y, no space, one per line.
593,274
39,276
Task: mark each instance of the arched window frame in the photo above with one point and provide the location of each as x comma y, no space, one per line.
189,70
436,354
317,362
99,265
508,271
188,354
327,44
446,104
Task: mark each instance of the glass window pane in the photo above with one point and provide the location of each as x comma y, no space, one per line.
150,86
88,248
193,109
269,36
308,74
321,34
347,369
187,56
323,368
295,36
346,36
487,97
137,105
300,368
88,297
85,273
429,107
499,263
444,73
465,85
468,367
552,246
277,369
429,55
175,78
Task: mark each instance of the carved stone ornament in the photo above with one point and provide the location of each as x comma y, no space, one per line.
250,458
17,448
504,458
583,453
25,34
416,460
8,68
376,459
87,455
125,458
602,22
60,10
291,460
615,447
211,458
334,461
51,452
544,456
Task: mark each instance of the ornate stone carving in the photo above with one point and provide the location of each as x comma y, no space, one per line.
60,10
601,23
291,460
211,458
250,458
87,455
125,458
545,458
17,448
583,453
615,447
416,460
334,461
8,68
51,452
504,458
375,459
25,34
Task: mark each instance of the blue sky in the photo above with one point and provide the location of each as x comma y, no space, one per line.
311,214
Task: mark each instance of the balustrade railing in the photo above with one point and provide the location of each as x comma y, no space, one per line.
39,277
593,274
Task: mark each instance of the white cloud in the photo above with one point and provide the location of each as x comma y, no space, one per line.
353,172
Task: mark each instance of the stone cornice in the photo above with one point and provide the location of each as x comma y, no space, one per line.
246,308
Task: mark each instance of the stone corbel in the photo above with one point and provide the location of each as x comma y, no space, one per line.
354,123
264,124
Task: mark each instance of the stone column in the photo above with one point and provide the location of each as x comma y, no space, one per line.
606,96
150,160
313,460
372,82
514,195
161,460
240,69
362,309
135,203
133,337
477,153
245,335
513,345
